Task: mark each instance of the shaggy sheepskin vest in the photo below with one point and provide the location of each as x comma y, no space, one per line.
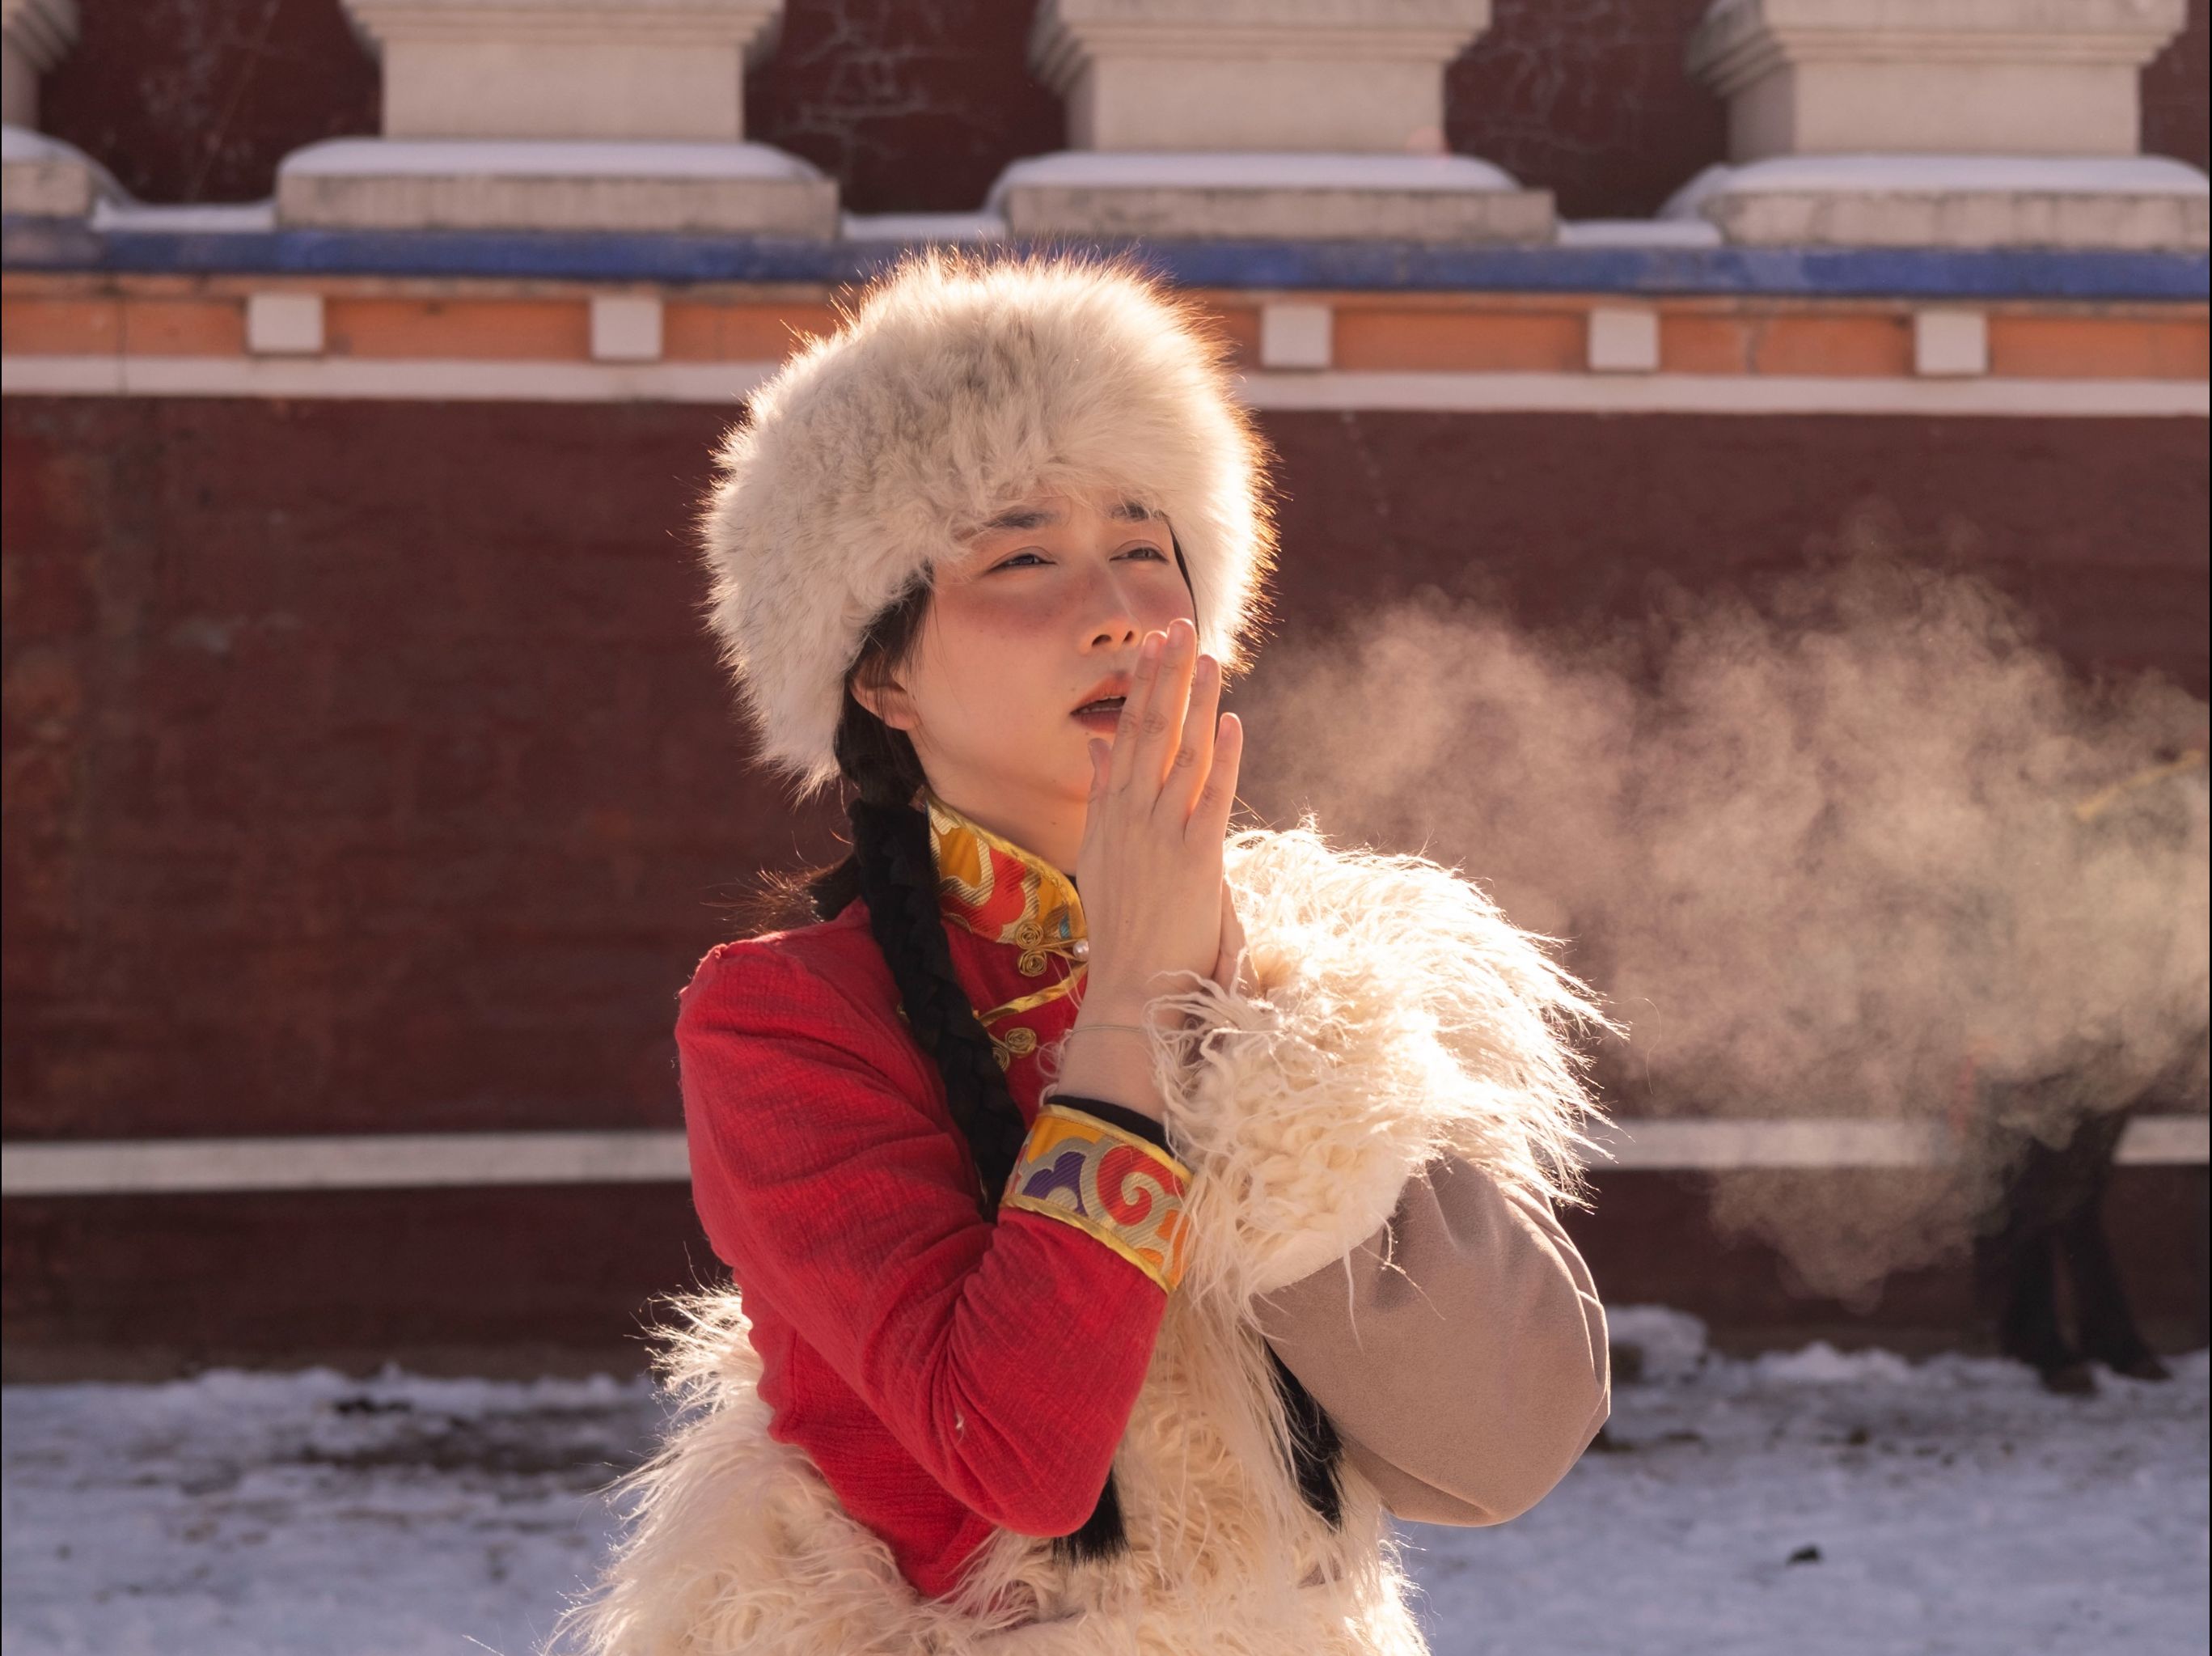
1397,1016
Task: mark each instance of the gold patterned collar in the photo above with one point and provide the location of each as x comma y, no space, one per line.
987,885
993,887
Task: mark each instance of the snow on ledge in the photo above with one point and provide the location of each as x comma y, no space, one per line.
922,227
1247,170
1923,176
20,145
1695,232
559,158
188,218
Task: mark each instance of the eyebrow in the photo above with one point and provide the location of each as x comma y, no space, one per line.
1024,517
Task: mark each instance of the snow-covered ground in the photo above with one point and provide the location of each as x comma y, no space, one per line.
1944,1505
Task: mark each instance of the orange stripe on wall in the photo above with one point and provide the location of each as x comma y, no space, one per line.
1240,325
2099,347
1541,341
1839,346
536,330
184,327
705,333
61,327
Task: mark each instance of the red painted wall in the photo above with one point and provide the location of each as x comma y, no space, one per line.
366,768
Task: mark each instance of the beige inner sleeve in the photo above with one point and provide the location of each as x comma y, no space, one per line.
1461,1350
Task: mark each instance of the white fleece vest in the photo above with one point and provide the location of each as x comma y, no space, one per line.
1398,1015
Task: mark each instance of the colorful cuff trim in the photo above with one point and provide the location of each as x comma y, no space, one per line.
1109,1183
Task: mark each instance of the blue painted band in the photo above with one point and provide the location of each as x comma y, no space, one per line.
28,244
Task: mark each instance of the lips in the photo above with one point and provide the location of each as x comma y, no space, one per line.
1115,684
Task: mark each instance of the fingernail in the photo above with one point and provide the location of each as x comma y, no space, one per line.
1152,642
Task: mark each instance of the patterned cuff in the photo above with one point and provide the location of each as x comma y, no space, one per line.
1107,1183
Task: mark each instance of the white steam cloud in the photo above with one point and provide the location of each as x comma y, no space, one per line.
1855,845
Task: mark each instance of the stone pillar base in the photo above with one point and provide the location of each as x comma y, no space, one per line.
1953,201
44,178
1269,196
639,187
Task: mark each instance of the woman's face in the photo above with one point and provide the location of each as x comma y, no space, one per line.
1024,622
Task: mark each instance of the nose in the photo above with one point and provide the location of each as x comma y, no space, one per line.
1111,619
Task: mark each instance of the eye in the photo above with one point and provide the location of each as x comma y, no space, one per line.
1154,551
1008,563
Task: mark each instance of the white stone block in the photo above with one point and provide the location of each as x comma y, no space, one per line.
625,327
44,178
707,189
1624,339
2023,77
1294,335
284,324
1358,76
33,36
1950,343
1208,196
2143,202
666,70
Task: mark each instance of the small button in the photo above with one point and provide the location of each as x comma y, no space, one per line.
1080,948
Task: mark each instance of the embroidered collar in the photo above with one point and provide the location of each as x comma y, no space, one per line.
991,886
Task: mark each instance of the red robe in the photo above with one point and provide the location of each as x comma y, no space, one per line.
947,1375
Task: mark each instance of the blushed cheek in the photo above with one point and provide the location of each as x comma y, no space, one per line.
1001,657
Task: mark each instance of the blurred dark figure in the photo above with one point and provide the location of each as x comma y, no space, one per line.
2050,1213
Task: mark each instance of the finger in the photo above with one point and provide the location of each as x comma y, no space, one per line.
1193,754
1124,762
1211,815
1238,978
1161,730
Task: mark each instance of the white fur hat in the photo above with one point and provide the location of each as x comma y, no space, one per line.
956,387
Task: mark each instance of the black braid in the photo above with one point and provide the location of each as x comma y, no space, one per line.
891,870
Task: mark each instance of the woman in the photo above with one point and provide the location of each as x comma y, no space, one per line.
1102,1281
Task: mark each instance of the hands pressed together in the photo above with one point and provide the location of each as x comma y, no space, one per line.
1149,866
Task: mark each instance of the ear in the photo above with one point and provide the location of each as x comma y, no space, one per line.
888,702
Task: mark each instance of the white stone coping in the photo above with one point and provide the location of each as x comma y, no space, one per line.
1172,170
546,158
1926,175
571,22
1737,40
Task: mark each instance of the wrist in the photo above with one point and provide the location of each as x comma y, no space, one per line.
1121,1007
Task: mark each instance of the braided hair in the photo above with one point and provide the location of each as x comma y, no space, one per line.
891,870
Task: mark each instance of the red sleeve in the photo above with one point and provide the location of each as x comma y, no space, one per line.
1006,1357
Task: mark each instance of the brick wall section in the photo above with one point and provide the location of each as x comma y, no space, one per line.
199,100
367,767
1588,99
917,108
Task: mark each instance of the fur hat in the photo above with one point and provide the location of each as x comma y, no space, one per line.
956,386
